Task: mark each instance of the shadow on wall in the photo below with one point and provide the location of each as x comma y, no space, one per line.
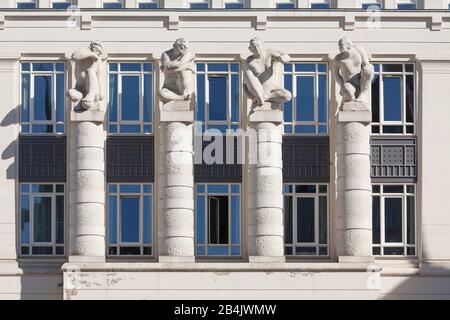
41,281
9,152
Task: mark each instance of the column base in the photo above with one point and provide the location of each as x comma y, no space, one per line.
266,259
275,116
176,259
356,259
86,259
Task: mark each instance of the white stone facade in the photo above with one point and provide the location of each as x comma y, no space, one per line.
260,270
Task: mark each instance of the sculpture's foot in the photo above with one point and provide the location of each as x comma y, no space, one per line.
87,104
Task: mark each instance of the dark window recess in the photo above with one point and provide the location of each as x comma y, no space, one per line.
218,219
219,168
130,159
42,159
306,159
394,159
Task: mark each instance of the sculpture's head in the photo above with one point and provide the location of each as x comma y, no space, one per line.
97,47
256,46
345,44
180,45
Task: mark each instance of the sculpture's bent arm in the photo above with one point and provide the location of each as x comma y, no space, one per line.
165,60
337,75
83,53
279,55
185,59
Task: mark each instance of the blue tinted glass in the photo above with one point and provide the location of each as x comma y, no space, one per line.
25,187
112,128
320,5
322,129
147,220
305,67
130,67
287,188
288,105
289,5
305,129
42,219
130,129
200,219
112,219
323,98
217,98
112,5
200,251
148,67
406,6
112,98
287,129
59,221
26,5
234,67
218,67
235,188
200,112
393,220
151,5
218,251
25,128
61,5
60,97
322,67
234,98
217,128
130,188
288,67
200,5
113,67
25,219
235,250
113,188
147,188
305,99
129,208
217,188
392,98
41,188
376,220
200,67
42,98
148,129
25,67
234,6
305,220
59,66
371,6
235,220
148,97
42,128
59,128
200,188
25,105
42,66
130,98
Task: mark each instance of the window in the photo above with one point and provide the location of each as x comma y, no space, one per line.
285,4
393,99
306,219
130,225
41,219
320,4
111,4
199,4
371,4
406,4
235,4
130,107
61,4
393,219
218,95
148,4
307,112
218,220
42,97
27,4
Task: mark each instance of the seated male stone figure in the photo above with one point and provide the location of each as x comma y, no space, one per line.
263,75
88,87
354,73
179,68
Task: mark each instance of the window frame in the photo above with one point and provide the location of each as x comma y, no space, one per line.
400,4
322,3
316,196
118,194
404,197
19,2
113,2
199,3
53,74
139,2
69,2
31,195
316,74
141,74
234,2
206,195
285,4
403,123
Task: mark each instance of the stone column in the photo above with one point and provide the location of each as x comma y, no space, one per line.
87,186
176,183
354,214
265,187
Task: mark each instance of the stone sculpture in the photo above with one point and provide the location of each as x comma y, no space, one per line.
263,76
179,68
354,74
87,93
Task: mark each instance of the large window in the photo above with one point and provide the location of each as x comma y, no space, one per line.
199,4
393,99
218,220
407,4
217,105
113,4
319,4
130,98
285,4
306,219
42,97
393,219
130,225
61,4
26,4
148,4
41,219
307,112
234,4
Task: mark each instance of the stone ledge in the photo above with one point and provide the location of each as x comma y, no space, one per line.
87,116
355,116
275,116
176,116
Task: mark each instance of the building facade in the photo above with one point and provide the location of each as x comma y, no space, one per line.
139,201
